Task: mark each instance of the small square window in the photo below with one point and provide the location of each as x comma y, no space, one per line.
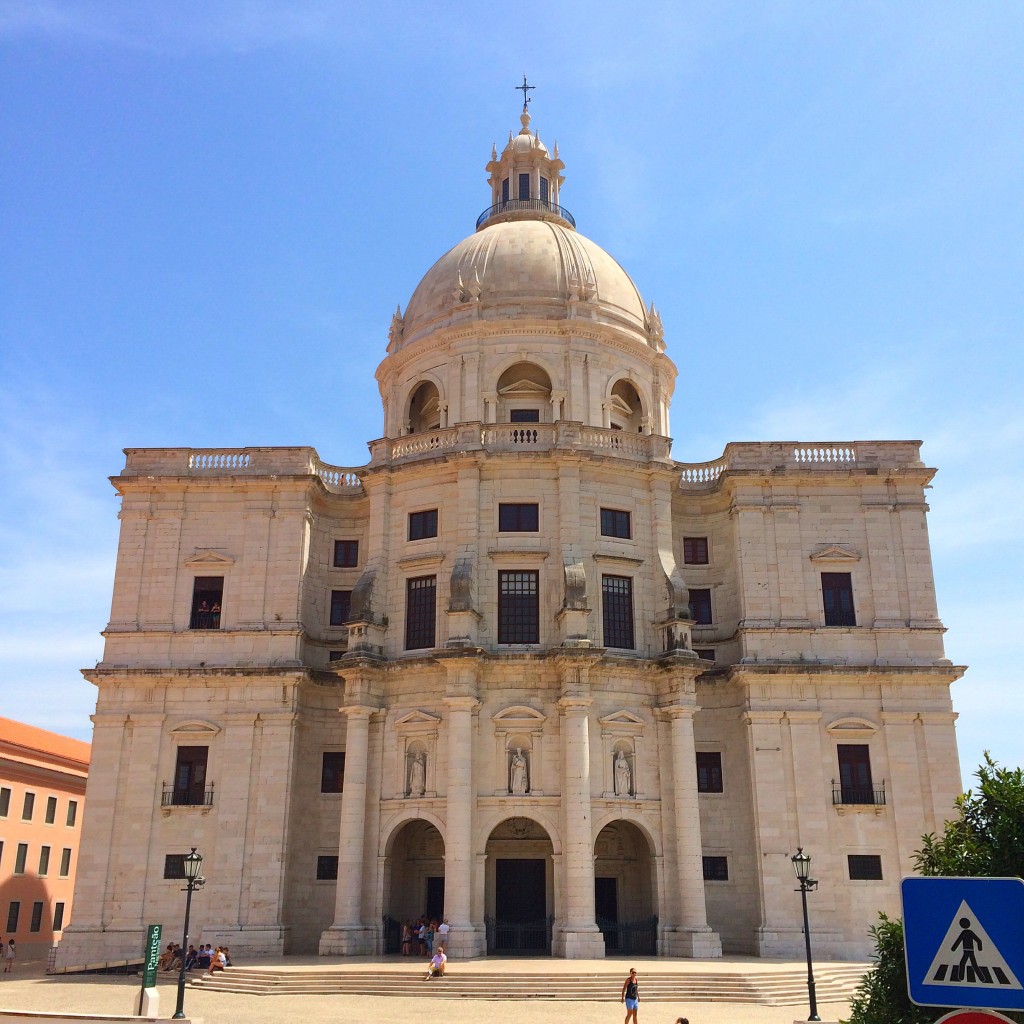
332,772
5,801
335,655
65,862
174,865
44,860
695,550
51,810
518,518
709,771
616,523
28,807
524,415
37,916
20,857
865,867
58,916
716,869
423,524
13,913
327,869
700,606
705,653
346,554
341,605
72,813
207,595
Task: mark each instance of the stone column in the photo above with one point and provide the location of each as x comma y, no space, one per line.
465,939
581,937
348,935
692,935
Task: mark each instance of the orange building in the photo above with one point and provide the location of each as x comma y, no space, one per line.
42,795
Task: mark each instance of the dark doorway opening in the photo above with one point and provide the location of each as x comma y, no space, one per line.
435,897
520,923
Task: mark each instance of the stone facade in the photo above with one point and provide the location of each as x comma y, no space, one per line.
586,695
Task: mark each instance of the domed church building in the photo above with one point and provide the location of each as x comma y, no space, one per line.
522,670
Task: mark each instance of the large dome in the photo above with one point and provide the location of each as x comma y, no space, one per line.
524,268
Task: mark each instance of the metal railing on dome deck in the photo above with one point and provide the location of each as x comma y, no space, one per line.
516,205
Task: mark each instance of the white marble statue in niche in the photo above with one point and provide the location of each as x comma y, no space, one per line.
418,775
623,776
519,773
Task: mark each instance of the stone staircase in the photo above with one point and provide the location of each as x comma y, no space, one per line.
835,982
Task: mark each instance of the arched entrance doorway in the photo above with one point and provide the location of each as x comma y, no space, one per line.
520,889
624,890
413,879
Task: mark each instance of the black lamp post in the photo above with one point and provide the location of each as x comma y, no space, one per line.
802,867
193,881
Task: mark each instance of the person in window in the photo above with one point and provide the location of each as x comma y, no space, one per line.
215,615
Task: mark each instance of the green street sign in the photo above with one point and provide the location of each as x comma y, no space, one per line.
152,955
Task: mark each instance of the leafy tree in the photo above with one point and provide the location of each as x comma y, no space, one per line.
986,840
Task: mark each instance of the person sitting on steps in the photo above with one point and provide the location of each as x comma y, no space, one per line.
437,962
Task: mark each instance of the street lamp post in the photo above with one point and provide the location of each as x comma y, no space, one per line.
802,867
193,881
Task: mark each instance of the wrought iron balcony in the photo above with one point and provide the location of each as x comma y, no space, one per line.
525,206
187,796
873,796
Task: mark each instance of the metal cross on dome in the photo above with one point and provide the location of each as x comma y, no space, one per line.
524,87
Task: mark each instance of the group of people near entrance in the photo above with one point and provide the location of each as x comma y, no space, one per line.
205,958
419,936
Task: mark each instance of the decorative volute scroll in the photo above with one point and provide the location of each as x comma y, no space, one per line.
361,607
575,585
461,589
678,595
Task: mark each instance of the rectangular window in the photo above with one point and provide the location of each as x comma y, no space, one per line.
332,772
28,807
695,550
865,867
615,523
524,186
524,415
335,655
1,852
37,916
189,788
709,771
346,554
716,869
420,613
706,653
20,856
837,597
174,865
72,813
544,188
504,190
207,594
5,801
700,606
13,913
44,860
617,611
327,869
518,608
51,810
855,774
423,524
341,605
518,518
58,916
65,862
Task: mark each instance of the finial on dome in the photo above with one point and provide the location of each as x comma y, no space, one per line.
494,151
525,88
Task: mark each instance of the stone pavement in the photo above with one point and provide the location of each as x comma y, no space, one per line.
30,989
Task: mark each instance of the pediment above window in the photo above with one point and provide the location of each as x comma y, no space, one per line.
835,553
621,718
518,715
195,730
209,559
418,718
523,389
851,729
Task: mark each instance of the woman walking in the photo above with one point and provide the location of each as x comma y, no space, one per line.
631,996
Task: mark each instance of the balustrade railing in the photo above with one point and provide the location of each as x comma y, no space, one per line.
218,461
187,796
525,206
338,479
869,795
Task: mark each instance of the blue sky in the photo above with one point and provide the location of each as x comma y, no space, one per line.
210,211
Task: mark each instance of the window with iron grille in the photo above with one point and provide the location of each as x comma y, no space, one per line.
174,865
864,867
837,598
518,607
695,550
58,916
709,771
522,517
524,186
423,524
617,611
346,554
855,773
207,595
544,188
341,605
615,523
327,869
504,190
700,606
716,869
332,772
189,788
420,613
51,810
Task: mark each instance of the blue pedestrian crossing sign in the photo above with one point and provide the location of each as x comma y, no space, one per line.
964,941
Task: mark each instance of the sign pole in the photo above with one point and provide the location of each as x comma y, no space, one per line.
151,956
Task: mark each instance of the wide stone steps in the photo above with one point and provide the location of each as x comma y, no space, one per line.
834,983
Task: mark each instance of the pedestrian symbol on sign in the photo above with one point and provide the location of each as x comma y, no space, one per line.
968,957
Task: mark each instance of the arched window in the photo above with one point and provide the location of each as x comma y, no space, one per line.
524,395
625,408
424,409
